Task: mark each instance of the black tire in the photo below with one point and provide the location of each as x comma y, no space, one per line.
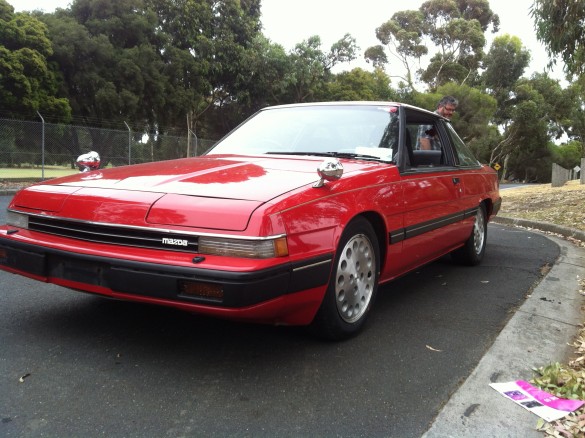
472,252
353,284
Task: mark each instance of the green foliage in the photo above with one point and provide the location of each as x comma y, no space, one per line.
561,381
454,29
559,25
403,36
27,82
358,84
504,64
567,155
575,126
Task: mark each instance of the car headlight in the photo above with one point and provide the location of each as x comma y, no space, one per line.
256,249
16,219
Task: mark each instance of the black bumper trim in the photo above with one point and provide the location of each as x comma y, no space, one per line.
240,289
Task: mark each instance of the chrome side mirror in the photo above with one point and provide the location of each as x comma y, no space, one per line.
330,169
89,161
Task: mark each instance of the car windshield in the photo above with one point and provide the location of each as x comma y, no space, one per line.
361,131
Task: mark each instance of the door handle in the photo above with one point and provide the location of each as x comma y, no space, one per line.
456,181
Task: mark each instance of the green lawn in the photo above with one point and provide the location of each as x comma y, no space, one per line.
36,172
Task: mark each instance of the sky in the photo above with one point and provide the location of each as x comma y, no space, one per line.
290,22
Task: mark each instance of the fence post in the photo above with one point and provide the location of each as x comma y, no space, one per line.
42,147
191,133
129,143
582,170
560,175
189,139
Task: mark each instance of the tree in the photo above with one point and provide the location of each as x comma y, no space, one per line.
121,77
27,82
504,64
211,38
455,29
575,129
539,110
108,53
311,67
567,155
403,37
359,84
559,25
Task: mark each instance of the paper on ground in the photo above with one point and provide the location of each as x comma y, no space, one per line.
547,406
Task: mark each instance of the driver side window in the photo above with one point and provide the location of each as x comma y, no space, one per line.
425,145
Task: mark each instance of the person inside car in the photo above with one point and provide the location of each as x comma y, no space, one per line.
427,135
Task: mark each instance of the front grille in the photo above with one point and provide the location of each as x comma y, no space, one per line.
112,235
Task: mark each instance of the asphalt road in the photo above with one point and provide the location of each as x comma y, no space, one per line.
96,367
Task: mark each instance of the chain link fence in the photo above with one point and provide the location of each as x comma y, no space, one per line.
36,151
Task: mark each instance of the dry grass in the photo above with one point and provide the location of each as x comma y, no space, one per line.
558,205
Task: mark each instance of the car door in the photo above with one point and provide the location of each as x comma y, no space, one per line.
474,182
432,189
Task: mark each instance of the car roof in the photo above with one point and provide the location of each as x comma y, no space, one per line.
423,113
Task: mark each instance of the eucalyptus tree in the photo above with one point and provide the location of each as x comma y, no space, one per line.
575,127
456,28
27,81
559,25
503,65
450,33
359,84
311,67
539,111
402,38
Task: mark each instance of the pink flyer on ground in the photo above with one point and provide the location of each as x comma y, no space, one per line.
545,405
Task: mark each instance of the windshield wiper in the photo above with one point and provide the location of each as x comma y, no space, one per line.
332,154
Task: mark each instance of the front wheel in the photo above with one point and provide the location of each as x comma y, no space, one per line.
353,284
472,252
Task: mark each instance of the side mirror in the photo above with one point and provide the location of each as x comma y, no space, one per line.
330,169
89,161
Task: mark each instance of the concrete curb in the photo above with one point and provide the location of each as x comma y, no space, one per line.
542,226
537,335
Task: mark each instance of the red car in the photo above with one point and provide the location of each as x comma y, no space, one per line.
295,217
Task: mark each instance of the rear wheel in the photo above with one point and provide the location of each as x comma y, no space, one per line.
472,252
353,284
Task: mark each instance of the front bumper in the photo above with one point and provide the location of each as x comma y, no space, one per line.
159,281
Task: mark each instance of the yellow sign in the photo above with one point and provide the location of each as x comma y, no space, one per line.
497,166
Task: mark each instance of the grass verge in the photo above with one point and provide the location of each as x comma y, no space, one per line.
35,172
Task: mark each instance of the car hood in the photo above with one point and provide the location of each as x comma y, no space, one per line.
211,192
228,177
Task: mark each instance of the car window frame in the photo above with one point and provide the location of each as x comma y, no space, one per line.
411,116
459,148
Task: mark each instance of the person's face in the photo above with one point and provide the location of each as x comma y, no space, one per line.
447,110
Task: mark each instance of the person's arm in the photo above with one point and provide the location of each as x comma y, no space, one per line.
424,143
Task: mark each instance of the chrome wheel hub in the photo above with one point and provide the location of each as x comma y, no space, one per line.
355,278
479,231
